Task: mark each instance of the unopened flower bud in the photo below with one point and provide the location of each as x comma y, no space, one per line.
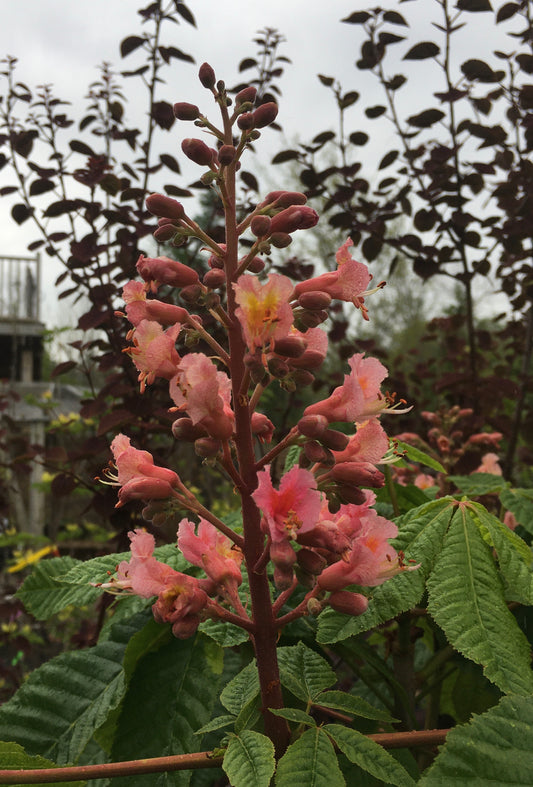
313,425
214,278
311,359
207,447
317,453
314,301
312,319
262,427
280,240
290,346
334,440
166,271
277,367
245,121
358,474
348,603
260,226
207,76
226,154
256,265
265,114
164,233
302,377
297,217
350,494
197,151
246,95
310,561
161,205
283,199
314,607
185,111
191,294
184,429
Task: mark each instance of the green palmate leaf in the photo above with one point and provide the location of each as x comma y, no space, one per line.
171,694
421,534
369,755
296,715
58,582
241,690
216,724
224,634
520,503
249,715
150,638
479,483
339,700
304,672
494,748
13,756
312,761
249,760
416,455
57,710
466,599
293,454
43,595
514,555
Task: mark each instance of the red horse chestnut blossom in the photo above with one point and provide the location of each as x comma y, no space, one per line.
264,311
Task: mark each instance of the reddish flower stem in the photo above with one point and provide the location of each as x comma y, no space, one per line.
265,630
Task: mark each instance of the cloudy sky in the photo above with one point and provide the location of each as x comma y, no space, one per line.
62,42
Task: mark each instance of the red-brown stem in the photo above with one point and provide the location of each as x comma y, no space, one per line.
285,443
284,596
265,631
184,762
223,614
298,611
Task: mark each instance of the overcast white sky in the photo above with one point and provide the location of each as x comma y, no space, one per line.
62,42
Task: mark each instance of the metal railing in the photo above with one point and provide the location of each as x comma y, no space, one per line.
20,283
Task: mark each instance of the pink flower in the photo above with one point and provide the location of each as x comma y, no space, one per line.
205,394
138,308
132,463
180,597
368,444
264,311
359,396
154,352
489,464
370,561
292,510
163,270
348,283
212,551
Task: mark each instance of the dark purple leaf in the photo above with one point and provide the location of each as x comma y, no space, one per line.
41,186
394,18
248,62
375,112
21,212
63,368
426,118
507,11
163,114
474,5
388,159
358,138
327,81
422,51
285,155
357,18
176,191
478,69
170,162
184,12
61,207
129,44
250,180
5,190
80,147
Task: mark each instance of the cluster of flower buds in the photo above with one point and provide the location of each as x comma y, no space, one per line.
318,526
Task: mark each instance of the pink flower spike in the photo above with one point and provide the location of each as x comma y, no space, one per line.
292,510
264,311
